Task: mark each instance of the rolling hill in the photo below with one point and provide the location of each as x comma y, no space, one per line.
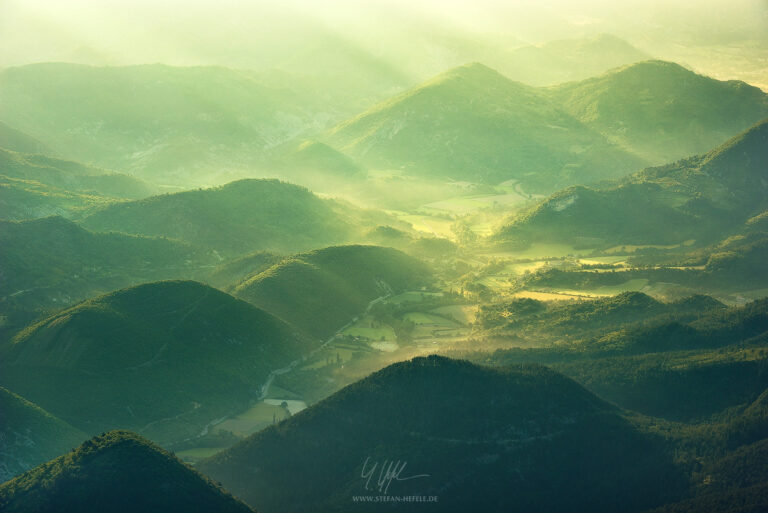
323,290
30,199
120,472
166,124
662,111
165,358
319,167
558,322
52,262
313,156
30,435
705,198
514,439
471,123
565,60
234,219
232,272
694,360
15,140
71,176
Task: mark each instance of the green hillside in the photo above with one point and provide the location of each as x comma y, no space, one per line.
535,320
15,140
728,268
662,111
514,439
71,176
234,271
234,219
30,435
471,123
117,471
313,156
323,290
753,499
694,360
702,198
52,262
28,199
174,350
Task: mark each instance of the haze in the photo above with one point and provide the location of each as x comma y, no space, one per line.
519,246
418,39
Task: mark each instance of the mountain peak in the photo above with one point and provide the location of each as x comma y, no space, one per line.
476,72
497,425
472,123
651,70
750,141
117,471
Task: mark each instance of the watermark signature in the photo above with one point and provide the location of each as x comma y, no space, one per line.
394,498
385,473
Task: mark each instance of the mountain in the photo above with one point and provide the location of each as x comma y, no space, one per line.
30,435
319,167
323,290
735,480
162,123
753,499
513,439
117,471
703,197
471,123
732,268
681,371
29,199
52,262
234,219
314,156
234,271
15,140
662,111
174,350
564,60
71,176
697,360
538,321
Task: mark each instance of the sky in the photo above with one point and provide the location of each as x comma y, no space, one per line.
412,34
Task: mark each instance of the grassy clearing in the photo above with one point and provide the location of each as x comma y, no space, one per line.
437,226
540,251
198,453
278,392
631,248
254,419
413,297
608,290
292,405
430,327
387,346
468,204
549,296
335,352
420,318
743,297
496,282
521,268
616,259
368,328
483,228
464,314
